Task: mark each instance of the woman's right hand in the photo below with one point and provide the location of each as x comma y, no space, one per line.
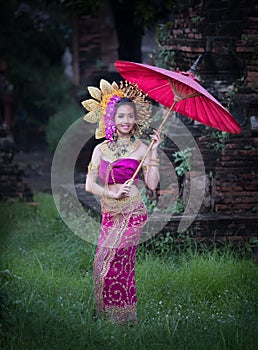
124,191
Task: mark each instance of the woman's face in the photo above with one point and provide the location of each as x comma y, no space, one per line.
125,119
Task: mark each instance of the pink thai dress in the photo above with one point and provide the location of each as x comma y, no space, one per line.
114,264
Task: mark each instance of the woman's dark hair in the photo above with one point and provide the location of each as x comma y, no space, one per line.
126,101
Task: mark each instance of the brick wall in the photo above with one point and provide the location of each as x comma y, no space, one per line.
236,177
225,33
231,166
230,210
235,172
96,49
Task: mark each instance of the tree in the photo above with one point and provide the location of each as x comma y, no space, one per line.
33,39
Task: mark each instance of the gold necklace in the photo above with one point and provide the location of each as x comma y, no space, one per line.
121,148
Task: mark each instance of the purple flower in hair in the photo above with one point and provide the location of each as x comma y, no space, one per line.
109,119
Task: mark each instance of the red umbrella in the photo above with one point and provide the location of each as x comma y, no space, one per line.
179,91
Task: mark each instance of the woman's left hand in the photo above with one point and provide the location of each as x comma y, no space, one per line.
157,138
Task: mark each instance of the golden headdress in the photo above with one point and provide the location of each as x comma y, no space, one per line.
100,107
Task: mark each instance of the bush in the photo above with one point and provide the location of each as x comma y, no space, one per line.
68,113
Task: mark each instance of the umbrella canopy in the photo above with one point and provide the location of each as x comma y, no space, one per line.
180,91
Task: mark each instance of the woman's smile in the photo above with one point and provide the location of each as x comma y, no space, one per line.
126,126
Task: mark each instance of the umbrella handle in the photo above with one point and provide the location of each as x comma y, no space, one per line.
141,163
150,145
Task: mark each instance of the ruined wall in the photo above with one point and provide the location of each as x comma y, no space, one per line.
236,177
225,34
95,47
230,207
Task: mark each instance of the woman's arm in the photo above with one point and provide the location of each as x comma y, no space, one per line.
151,164
91,184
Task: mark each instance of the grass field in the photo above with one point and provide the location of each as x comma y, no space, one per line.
186,300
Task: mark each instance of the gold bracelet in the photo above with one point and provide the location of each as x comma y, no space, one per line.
92,167
104,193
155,160
146,167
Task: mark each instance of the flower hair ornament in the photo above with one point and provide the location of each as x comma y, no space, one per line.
101,107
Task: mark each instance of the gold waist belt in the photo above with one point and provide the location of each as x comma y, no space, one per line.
109,204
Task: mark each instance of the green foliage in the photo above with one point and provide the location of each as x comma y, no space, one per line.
144,13
255,208
184,158
175,208
82,6
166,244
163,57
195,19
163,32
34,37
178,207
58,123
148,12
186,300
6,304
150,203
220,143
159,245
253,40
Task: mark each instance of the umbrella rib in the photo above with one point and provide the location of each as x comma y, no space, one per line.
203,111
167,96
195,102
218,120
222,121
158,87
207,113
190,95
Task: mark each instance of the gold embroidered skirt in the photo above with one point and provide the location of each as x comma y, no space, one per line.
114,264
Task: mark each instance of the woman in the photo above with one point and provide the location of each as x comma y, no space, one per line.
124,214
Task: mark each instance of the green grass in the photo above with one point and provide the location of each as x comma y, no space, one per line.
185,301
